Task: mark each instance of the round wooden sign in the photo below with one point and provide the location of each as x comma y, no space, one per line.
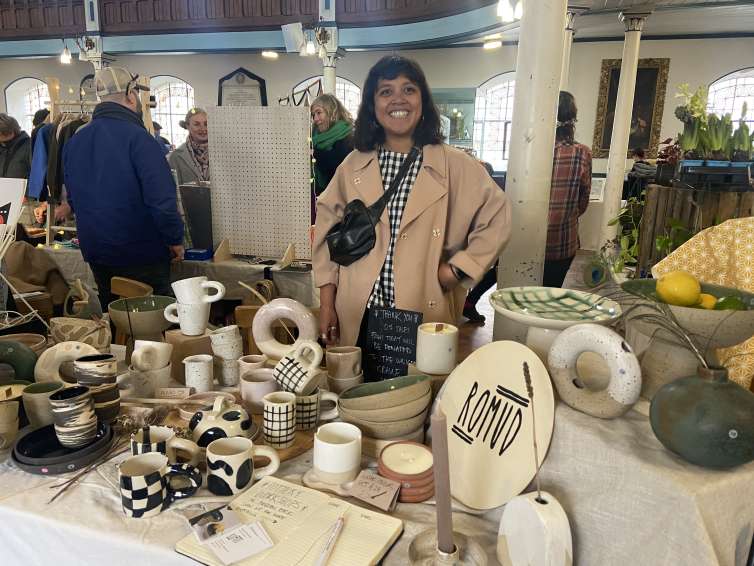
490,434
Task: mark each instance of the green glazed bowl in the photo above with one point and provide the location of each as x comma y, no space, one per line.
146,315
383,394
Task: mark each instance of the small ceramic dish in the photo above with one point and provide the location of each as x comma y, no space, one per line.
387,393
413,484
201,401
406,461
390,414
41,447
417,495
78,459
388,429
373,447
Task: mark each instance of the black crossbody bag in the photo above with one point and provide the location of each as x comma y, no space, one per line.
354,237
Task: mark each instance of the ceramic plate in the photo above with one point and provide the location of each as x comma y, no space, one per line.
489,415
553,308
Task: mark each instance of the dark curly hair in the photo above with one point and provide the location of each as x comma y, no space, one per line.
368,134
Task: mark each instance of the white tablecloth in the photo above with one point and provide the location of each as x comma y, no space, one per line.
629,501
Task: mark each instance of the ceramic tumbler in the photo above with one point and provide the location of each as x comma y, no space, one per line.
95,370
230,464
227,342
436,348
192,317
343,362
135,383
337,453
249,363
8,423
279,419
194,290
298,371
73,415
150,356
199,374
146,487
159,378
340,385
309,409
162,439
255,384
226,371
36,399
106,402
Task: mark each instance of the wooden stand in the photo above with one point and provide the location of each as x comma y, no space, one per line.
222,253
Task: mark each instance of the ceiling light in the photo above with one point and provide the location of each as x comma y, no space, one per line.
493,44
311,49
505,11
493,36
65,56
518,12
270,54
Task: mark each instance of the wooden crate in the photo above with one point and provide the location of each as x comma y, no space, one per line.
696,209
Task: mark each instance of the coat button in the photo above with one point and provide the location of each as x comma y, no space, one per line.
432,304
404,236
436,232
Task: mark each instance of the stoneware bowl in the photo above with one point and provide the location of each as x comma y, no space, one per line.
145,313
387,429
396,413
36,342
387,393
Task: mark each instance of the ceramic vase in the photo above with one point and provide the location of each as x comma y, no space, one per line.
705,419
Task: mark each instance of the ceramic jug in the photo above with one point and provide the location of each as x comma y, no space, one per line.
224,420
705,419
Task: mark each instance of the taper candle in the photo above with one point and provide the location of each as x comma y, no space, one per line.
442,482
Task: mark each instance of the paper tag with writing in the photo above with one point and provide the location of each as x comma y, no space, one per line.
376,490
173,392
240,542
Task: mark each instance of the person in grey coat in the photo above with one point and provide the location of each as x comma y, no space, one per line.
15,149
190,160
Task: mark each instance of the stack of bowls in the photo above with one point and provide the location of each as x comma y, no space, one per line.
388,409
411,465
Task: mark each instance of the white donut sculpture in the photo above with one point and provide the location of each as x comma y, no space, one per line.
262,327
622,390
48,364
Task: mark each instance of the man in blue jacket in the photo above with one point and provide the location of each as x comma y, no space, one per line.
122,190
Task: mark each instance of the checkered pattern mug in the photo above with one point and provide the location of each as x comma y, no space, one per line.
298,372
309,409
279,419
145,488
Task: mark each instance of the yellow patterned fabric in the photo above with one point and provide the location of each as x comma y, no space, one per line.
722,255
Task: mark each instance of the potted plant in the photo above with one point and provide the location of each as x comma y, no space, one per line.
693,114
741,142
716,138
668,159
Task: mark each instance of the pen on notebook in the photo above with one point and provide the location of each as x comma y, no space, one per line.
331,540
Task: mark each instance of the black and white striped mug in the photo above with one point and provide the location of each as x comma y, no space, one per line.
162,439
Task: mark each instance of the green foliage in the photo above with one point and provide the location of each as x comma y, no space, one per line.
694,103
678,234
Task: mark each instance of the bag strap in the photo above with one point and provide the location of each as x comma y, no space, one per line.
379,205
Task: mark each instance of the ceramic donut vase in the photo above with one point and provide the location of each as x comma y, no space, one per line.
225,420
262,326
624,384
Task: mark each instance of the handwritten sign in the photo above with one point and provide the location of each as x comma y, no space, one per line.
376,490
391,342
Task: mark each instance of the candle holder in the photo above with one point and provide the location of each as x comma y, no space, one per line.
423,551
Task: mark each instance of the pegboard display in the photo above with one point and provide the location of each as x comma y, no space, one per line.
260,165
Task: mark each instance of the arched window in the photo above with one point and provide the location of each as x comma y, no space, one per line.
23,97
347,92
728,95
174,99
493,114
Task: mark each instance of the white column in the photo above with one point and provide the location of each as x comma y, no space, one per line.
538,67
616,165
328,68
568,33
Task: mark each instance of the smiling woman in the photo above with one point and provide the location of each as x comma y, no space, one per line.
444,224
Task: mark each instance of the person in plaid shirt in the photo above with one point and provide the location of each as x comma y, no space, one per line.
569,194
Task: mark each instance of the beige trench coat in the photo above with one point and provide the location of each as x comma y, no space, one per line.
454,213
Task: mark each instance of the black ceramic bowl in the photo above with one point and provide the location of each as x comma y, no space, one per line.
41,447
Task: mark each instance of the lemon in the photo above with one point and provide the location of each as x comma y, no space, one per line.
731,303
679,288
707,301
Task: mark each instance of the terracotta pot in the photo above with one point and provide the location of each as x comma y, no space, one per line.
705,419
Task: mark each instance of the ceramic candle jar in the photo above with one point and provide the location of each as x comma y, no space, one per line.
436,348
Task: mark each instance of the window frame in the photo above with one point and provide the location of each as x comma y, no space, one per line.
170,129
339,81
499,81
26,122
743,74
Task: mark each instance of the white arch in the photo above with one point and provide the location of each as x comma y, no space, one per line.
728,94
174,98
493,116
348,92
23,97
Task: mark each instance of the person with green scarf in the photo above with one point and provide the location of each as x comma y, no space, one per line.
331,138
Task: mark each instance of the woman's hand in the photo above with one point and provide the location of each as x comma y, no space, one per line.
329,328
446,277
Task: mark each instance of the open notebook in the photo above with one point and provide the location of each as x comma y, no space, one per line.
298,520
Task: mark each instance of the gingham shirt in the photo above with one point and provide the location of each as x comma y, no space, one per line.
569,198
383,292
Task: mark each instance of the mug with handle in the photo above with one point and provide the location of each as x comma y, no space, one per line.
309,411
191,317
298,371
149,356
162,439
230,464
145,487
194,290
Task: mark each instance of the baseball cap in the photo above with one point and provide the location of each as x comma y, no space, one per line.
115,80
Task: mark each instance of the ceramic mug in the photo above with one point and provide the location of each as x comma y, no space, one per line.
135,383
36,399
159,378
343,361
337,452
249,363
340,385
255,384
8,424
309,409
95,370
106,402
73,415
230,464
192,317
298,371
162,439
226,371
198,371
145,486
194,290
279,419
227,342
149,355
